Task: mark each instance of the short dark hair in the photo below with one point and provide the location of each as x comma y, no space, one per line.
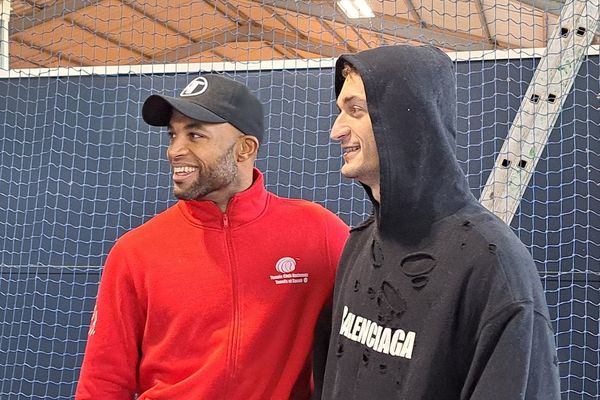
348,69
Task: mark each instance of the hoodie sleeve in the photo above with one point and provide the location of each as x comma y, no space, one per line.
112,353
515,358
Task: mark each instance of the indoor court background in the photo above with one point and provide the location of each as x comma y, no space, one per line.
79,168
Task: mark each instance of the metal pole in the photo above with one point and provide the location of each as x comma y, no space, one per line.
540,108
4,20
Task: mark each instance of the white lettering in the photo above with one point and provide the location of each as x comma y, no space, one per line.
356,329
409,343
397,339
384,342
347,322
364,330
371,337
398,343
377,337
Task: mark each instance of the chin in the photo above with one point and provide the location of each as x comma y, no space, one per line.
348,174
180,194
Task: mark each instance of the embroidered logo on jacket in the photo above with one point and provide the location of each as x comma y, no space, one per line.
286,267
394,342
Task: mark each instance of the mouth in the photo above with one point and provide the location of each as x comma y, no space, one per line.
182,173
349,150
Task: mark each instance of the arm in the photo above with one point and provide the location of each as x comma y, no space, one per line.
515,358
113,349
320,347
337,234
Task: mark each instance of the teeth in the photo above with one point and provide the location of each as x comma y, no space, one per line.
349,149
184,169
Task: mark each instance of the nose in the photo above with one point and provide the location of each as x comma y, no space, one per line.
177,148
340,129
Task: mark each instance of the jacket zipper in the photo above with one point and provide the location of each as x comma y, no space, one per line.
235,323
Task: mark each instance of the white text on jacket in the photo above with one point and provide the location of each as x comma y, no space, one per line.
384,340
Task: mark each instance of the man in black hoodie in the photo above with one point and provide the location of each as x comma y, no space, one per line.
435,297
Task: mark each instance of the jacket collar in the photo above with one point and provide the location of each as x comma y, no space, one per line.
243,207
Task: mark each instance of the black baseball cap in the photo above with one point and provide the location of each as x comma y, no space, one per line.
210,98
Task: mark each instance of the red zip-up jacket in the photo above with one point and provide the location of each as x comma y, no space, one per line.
200,304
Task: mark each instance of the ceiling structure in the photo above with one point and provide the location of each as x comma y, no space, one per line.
75,33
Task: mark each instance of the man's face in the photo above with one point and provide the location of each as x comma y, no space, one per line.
202,156
353,129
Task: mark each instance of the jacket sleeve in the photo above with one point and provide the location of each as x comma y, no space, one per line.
515,358
337,233
112,353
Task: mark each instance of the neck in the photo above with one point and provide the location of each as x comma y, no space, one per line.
375,193
242,182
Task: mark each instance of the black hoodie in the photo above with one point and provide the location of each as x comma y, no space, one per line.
435,297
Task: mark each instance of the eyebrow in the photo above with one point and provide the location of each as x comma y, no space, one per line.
191,125
349,99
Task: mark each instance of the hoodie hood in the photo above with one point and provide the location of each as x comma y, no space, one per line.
411,99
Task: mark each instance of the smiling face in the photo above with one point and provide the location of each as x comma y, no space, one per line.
203,157
353,129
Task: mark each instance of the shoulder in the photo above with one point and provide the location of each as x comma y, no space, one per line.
492,236
152,229
306,216
498,260
360,237
481,232
370,221
300,207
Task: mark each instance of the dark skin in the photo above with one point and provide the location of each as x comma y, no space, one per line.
210,161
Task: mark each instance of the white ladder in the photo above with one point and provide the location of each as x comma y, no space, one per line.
551,83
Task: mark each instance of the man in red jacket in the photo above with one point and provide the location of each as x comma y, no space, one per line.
218,296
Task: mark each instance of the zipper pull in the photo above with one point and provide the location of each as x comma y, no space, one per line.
225,221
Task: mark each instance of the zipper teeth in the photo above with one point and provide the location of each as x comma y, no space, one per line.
236,324
234,341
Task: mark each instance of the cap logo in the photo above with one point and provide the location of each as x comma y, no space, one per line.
195,87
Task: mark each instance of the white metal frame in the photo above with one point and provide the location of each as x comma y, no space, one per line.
551,83
4,21
275,65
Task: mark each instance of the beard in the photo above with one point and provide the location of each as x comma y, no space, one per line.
211,177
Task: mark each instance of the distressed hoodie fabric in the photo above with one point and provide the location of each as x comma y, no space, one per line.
435,297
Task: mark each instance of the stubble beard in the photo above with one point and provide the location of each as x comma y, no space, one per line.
366,174
211,177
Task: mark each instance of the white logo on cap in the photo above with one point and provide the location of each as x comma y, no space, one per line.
195,87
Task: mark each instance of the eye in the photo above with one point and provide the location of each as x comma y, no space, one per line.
355,109
197,135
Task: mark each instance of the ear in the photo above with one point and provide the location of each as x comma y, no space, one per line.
248,148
